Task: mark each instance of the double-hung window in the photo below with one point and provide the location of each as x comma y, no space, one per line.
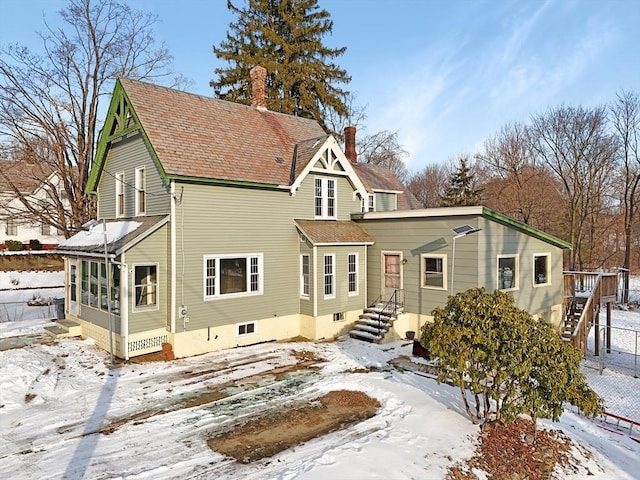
352,273
304,275
325,197
120,194
329,276
434,271
232,275
141,191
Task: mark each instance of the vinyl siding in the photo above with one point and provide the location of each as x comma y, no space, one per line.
385,202
496,239
152,250
413,238
475,260
341,302
220,220
125,156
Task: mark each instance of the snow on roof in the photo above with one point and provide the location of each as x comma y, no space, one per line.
95,234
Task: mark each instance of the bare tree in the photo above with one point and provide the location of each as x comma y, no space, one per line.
50,102
625,117
514,184
573,142
429,184
383,148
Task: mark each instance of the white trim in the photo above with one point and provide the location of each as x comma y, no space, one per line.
324,197
516,273
120,179
248,334
148,308
533,269
357,274
173,260
382,276
441,256
333,275
140,188
305,296
424,213
340,159
248,292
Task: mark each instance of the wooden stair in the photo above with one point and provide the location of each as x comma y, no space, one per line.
572,317
64,329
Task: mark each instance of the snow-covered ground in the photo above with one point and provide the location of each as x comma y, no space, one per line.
18,288
55,399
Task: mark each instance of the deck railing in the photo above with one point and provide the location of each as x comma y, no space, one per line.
597,288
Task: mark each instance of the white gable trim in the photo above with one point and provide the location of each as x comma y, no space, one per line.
336,164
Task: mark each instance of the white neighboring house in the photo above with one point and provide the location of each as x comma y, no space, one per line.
16,222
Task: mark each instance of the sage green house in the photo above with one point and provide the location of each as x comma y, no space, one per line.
430,254
222,225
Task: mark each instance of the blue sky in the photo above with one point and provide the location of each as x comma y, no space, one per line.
444,74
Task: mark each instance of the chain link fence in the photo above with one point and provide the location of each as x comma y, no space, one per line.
621,353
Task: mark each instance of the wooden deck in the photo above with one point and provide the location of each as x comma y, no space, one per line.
584,293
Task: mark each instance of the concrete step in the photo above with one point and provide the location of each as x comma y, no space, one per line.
377,316
374,323
64,329
366,328
366,336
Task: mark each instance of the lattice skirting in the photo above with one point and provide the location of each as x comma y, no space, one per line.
147,345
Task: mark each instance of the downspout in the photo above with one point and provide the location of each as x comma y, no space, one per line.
172,222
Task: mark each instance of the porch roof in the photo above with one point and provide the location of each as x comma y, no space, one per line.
332,232
122,234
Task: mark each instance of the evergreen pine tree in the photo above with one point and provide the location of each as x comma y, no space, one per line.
285,37
461,190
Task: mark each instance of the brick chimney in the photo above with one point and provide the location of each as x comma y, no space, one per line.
350,144
258,86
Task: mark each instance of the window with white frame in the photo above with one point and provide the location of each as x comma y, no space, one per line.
45,229
73,282
304,275
141,191
232,275
368,203
146,286
508,272
11,229
352,274
338,317
246,329
120,194
325,197
541,269
329,276
434,271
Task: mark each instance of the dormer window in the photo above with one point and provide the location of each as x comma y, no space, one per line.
325,197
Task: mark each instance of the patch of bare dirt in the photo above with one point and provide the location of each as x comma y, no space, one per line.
516,451
49,262
277,431
165,355
306,362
